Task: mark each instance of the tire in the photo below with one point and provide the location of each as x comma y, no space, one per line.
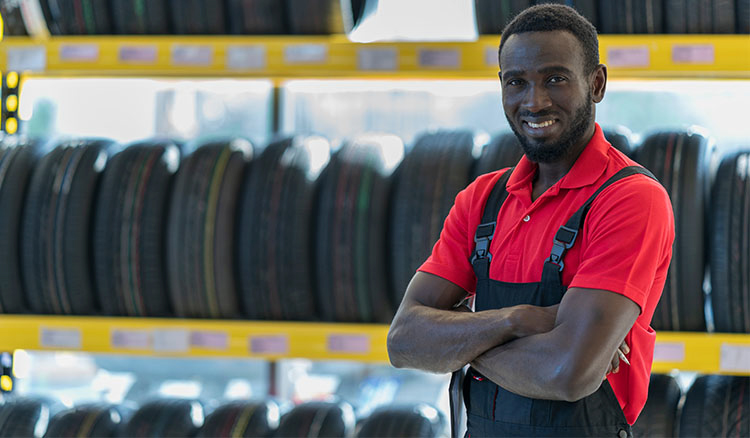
129,230
717,406
730,245
503,151
318,419
676,16
658,417
16,166
24,418
406,421
723,16
166,418
275,234
742,8
678,160
325,17
93,420
198,17
351,209
621,138
200,245
13,24
256,17
421,205
242,419
56,249
140,17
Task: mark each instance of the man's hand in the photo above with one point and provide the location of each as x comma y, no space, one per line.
532,320
614,366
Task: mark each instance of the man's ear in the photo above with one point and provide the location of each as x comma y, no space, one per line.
599,83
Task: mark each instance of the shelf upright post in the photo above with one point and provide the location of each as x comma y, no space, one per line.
11,83
6,373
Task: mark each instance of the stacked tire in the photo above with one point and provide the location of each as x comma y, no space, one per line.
432,173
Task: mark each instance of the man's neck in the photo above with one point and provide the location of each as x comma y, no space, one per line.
548,174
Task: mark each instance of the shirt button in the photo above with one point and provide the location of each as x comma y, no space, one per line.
622,434
527,218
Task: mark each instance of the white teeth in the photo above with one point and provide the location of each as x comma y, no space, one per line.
541,125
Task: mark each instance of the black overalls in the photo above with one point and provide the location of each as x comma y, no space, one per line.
494,412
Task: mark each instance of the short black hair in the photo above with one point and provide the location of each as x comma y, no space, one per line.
551,17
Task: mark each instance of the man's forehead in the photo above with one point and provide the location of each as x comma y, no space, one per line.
559,45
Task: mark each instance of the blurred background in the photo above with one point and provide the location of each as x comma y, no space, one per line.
209,210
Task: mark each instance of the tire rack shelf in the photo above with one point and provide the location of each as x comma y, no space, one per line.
627,56
708,353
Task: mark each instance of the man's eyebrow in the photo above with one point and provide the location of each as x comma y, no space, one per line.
506,73
555,69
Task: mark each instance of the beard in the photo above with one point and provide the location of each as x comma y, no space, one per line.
543,152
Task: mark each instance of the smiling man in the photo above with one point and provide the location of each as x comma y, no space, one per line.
565,255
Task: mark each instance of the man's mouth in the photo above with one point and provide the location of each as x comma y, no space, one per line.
541,125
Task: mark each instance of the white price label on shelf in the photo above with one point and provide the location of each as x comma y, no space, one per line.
490,56
693,54
33,59
381,58
306,54
339,343
130,339
214,340
669,352
440,58
246,57
60,338
734,358
628,57
171,341
198,56
269,344
79,53
137,54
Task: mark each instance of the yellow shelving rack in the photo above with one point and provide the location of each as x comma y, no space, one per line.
286,57
627,56
710,353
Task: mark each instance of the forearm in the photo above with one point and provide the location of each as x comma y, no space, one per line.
442,341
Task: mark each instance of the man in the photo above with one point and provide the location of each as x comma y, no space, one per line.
566,256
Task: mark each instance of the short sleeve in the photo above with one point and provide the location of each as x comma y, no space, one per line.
450,255
627,239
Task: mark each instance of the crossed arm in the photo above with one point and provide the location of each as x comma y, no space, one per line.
559,352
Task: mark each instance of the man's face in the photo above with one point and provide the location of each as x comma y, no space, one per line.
548,96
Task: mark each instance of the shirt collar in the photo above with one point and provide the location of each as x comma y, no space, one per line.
587,169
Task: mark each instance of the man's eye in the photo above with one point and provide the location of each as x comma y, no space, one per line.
515,82
556,79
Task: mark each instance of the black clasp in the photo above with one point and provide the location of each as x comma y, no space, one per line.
564,240
482,238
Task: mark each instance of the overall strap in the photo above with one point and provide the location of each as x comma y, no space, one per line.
481,257
566,234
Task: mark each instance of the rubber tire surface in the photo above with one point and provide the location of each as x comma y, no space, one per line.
659,415
131,209
315,17
94,420
317,419
407,421
16,166
165,418
140,17
19,418
742,8
243,419
717,406
730,244
620,138
256,17
678,160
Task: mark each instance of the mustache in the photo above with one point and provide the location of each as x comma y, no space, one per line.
527,113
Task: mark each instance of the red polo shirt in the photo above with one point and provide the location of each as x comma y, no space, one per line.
625,245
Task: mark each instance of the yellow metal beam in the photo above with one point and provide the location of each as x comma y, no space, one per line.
709,353
628,56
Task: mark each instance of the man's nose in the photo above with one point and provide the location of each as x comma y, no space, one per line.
536,99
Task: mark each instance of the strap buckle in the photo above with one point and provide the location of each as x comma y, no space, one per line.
564,240
482,238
